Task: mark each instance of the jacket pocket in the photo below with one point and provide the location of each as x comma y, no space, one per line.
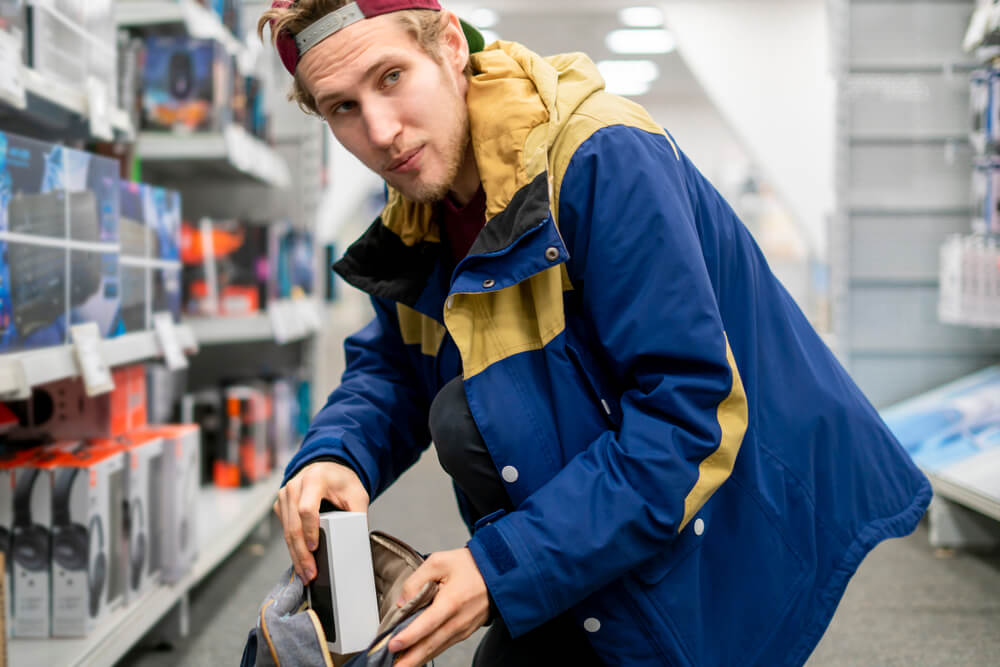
608,402
658,566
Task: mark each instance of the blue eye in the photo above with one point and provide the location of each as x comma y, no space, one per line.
392,77
343,107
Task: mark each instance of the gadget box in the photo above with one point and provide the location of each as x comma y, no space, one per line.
186,85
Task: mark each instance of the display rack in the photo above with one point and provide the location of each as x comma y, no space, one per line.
21,371
198,21
284,322
225,518
231,155
48,102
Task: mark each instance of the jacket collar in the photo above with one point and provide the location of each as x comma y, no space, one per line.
399,257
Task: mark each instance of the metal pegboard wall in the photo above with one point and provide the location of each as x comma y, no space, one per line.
903,184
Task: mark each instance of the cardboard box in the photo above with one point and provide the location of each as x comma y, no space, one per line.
34,532
88,549
187,85
142,520
178,496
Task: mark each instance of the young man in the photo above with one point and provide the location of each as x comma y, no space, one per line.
660,461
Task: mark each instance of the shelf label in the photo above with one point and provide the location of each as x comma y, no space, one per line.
12,70
99,109
87,347
166,333
280,323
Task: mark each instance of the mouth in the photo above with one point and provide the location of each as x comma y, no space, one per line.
405,162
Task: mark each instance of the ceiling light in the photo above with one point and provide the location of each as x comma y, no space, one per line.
489,36
640,41
641,17
483,18
628,77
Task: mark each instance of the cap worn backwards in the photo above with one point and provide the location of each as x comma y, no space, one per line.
291,48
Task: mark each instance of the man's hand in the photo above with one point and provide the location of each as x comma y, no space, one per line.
298,508
460,607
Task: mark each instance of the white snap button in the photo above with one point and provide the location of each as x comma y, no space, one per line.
451,300
488,283
592,625
699,526
552,254
509,474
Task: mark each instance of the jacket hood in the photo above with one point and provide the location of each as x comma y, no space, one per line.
518,103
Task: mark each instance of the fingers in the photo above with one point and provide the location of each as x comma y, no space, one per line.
308,511
430,570
302,558
437,643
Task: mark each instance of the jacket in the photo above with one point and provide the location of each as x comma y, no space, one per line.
695,476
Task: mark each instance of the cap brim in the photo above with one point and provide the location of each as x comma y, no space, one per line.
473,37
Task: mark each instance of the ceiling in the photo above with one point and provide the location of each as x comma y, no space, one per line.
559,26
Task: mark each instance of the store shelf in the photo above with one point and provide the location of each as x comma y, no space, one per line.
293,324
225,519
21,371
231,155
198,21
964,495
50,103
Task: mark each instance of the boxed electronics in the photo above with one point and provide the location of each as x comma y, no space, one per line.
144,515
186,85
58,243
150,248
205,408
178,496
294,272
26,496
164,388
343,592
283,434
63,410
71,40
245,455
88,549
226,267
12,22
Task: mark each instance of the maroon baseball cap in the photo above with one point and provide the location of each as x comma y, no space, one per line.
291,47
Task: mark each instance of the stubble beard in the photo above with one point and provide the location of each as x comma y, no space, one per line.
453,153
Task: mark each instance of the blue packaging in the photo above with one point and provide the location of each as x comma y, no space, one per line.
187,85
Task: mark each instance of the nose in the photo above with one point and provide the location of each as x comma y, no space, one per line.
382,124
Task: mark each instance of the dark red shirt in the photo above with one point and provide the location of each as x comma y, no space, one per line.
461,226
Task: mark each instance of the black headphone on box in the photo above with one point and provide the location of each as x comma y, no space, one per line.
30,541
97,573
70,542
137,544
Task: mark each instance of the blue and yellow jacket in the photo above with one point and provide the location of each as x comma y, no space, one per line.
696,477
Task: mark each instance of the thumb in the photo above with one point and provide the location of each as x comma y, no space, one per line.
427,574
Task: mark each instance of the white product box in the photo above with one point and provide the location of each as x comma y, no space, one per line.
179,487
343,592
143,517
88,573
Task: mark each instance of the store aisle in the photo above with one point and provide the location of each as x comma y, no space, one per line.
906,606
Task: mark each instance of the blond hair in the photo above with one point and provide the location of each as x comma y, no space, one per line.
424,25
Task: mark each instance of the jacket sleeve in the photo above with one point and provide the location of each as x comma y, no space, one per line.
376,420
639,267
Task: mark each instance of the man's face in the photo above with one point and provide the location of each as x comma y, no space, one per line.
391,105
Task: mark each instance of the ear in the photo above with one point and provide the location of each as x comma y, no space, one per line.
456,49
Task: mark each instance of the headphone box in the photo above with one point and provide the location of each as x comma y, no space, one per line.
187,85
88,573
26,498
179,489
142,517
343,593
245,458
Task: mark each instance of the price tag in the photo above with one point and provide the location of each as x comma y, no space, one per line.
99,109
166,333
87,347
280,323
307,313
12,70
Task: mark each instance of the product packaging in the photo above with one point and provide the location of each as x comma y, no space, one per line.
226,267
187,85
178,497
245,457
88,545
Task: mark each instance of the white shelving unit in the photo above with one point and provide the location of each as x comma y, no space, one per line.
21,371
285,322
225,518
231,155
199,22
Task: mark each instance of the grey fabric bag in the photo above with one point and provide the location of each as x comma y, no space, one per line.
289,634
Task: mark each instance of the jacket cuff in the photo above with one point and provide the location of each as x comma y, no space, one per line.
356,458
